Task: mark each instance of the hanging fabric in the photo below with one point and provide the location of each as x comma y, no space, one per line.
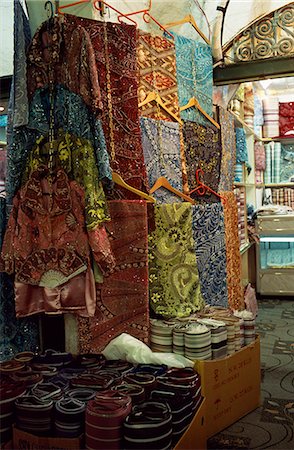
228,150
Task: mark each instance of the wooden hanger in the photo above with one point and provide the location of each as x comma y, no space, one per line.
194,102
163,182
188,19
154,97
118,180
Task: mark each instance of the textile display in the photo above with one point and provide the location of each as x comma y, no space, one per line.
286,119
15,335
241,148
287,163
276,163
194,76
156,61
240,198
174,285
161,146
238,177
122,299
228,143
283,196
202,150
271,116
3,161
258,112
115,47
209,237
233,266
268,163
259,155
259,174
249,104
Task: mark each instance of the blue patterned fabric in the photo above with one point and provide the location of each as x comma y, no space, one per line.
210,246
15,335
241,148
287,163
161,147
3,120
194,76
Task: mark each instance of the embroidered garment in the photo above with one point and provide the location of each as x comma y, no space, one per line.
228,150
64,55
76,157
235,290
122,299
45,243
259,155
194,75
115,53
156,60
174,286
286,119
161,146
210,248
202,150
241,148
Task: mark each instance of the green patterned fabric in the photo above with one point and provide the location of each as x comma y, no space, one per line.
173,275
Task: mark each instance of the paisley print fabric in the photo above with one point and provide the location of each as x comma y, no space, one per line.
235,290
286,119
174,285
156,60
161,146
210,248
202,150
122,299
115,47
228,150
194,75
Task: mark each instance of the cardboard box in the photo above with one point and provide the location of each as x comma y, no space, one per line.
27,441
195,436
231,387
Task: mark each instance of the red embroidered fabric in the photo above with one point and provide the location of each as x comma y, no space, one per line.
69,52
122,299
286,118
115,48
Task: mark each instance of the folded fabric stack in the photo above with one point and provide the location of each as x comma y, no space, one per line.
9,392
179,338
161,336
70,417
219,336
271,117
33,414
249,325
198,342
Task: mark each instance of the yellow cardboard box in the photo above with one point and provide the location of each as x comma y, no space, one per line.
231,387
27,441
195,436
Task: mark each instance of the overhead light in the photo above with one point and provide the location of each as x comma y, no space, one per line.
2,108
265,83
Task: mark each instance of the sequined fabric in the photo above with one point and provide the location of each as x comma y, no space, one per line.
156,61
194,75
286,118
235,290
228,151
122,299
115,48
76,157
202,150
174,285
161,146
69,55
210,248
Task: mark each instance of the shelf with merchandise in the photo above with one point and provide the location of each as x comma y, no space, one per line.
248,130
274,185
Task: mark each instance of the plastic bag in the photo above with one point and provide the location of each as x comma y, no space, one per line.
130,349
250,300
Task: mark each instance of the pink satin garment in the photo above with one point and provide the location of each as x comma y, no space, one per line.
77,296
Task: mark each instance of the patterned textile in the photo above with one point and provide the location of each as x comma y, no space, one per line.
161,146
115,54
268,163
283,196
228,143
156,61
202,150
235,290
241,148
194,75
249,104
174,286
259,155
258,113
209,237
276,163
240,198
122,299
287,163
286,118
76,157
15,335
259,176
238,173
69,52
271,116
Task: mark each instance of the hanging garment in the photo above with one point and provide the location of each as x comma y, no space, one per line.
115,48
202,150
162,154
228,150
76,157
235,290
210,248
194,75
64,55
174,286
156,61
259,155
241,148
122,299
286,119
258,115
